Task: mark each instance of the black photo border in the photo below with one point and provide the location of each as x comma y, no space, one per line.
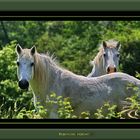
69,10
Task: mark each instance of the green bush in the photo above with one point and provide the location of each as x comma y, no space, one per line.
73,43
131,107
63,106
107,111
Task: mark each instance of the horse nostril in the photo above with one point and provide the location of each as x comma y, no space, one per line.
108,70
23,84
111,69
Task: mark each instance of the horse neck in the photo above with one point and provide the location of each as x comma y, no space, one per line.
48,72
39,82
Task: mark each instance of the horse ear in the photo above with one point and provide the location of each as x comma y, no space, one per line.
104,44
33,50
18,49
118,46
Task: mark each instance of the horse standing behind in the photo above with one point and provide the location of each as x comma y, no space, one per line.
86,94
107,60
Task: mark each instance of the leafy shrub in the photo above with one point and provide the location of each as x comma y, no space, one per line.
107,111
60,106
38,113
131,107
73,42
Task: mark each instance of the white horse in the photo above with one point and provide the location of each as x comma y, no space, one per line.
107,60
86,94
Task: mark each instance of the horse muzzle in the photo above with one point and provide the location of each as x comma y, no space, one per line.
23,84
111,70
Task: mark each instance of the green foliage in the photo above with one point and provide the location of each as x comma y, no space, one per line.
25,32
61,106
137,75
131,107
74,43
38,113
107,111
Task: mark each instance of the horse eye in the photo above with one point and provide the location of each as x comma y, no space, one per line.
17,63
104,54
32,64
118,55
